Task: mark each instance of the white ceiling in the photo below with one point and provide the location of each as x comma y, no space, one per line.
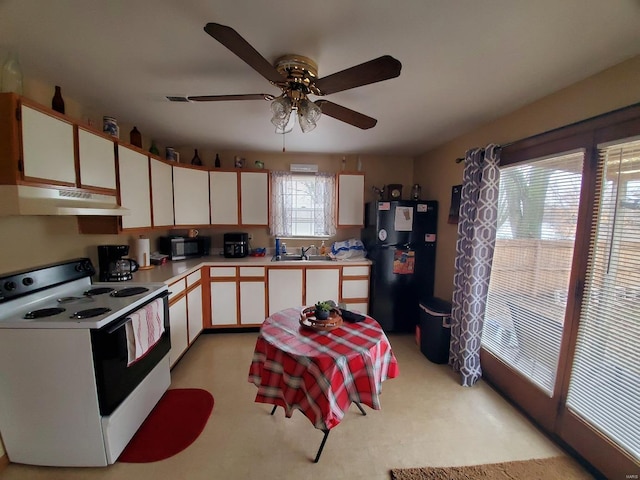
464,62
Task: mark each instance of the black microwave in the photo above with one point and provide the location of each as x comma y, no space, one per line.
180,248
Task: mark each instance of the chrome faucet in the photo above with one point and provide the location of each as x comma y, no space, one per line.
303,251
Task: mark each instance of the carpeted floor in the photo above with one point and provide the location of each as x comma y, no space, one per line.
564,468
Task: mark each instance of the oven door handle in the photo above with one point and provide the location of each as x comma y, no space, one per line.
128,319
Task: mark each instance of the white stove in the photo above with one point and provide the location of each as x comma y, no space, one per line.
64,369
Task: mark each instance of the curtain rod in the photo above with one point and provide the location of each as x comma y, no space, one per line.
461,159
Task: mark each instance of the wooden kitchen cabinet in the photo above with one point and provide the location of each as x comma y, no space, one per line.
135,193
223,296
253,300
350,199
190,195
178,322
254,198
96,160
285,288
355,288
161,193
194,305
322,283
223,195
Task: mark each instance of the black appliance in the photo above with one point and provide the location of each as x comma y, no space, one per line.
113,266
181,248
400,239
236,244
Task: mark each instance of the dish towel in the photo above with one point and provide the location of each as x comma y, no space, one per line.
144,330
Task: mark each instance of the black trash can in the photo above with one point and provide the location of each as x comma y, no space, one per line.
435,329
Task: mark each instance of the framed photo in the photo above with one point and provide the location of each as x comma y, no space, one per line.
454,211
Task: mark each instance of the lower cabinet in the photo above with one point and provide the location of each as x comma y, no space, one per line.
253,298
224,292
194,306
355,288
185,313
322,284
285,288
178,323
237,296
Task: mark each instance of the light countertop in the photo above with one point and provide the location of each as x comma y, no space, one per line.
171,271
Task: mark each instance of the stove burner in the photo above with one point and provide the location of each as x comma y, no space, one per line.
43,312
127,292
98,291
90,312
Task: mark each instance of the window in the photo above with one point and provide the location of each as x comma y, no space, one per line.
302,205
538,211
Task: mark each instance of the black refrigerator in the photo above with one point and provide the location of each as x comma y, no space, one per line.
400,239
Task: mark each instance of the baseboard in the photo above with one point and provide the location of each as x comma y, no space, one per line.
4,461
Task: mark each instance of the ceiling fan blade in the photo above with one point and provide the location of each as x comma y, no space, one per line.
231,39
346,115
219,98
377,70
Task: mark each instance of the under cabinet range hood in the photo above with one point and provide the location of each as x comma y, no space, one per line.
29,200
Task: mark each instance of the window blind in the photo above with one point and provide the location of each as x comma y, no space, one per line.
604,388
538,211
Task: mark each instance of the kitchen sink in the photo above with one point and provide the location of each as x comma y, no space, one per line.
288,257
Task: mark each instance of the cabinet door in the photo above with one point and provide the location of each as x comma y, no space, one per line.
161,193
178,333
285,289
190,196
350,200
252,302
254,198
97,160
194,306
322,284
223,303
47,147
133,173
223,195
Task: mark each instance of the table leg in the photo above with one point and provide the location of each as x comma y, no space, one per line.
274,409
360,408
324,439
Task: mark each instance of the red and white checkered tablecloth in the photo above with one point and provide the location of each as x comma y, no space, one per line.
320,373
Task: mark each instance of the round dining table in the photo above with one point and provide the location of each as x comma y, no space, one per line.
320,373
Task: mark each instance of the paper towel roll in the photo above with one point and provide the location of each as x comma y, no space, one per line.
143,252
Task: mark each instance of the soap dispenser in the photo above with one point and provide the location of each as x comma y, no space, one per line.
323,248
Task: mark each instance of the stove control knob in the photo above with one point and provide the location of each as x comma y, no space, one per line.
27,281
9,285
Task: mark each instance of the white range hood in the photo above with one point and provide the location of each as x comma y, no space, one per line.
29,200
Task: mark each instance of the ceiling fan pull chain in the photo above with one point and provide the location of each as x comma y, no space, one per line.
283,142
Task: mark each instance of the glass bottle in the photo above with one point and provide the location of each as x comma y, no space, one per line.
11,75
135,138
217,164
57,102
154,148
196,159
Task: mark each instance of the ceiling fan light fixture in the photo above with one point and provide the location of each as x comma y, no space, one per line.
308,115
281,108
288,126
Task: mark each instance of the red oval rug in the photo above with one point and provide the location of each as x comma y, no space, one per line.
174,423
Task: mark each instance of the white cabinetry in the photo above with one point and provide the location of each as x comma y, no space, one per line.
178,323
350,200
161,193
355,288
252,296
133,173
190,196
254,198
47,147
224,294
285,288
97,164
194,305
223,194
322,284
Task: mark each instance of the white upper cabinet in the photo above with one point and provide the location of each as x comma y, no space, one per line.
223,197
254,198
350,200
133,172
161,193
97,160
47,147
190,196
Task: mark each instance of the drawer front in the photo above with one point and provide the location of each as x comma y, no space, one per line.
355,289
177,288
252,271
193,278
355,271
225,272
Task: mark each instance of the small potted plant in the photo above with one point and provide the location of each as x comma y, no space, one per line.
323,309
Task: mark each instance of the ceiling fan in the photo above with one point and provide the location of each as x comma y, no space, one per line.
297,77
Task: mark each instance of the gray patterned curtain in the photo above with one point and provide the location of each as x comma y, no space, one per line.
474,254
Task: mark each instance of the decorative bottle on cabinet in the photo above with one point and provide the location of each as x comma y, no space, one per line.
217,164
57,102
11,75
154,148
196,159
135,137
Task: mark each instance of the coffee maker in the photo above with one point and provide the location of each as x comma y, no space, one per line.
113,266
